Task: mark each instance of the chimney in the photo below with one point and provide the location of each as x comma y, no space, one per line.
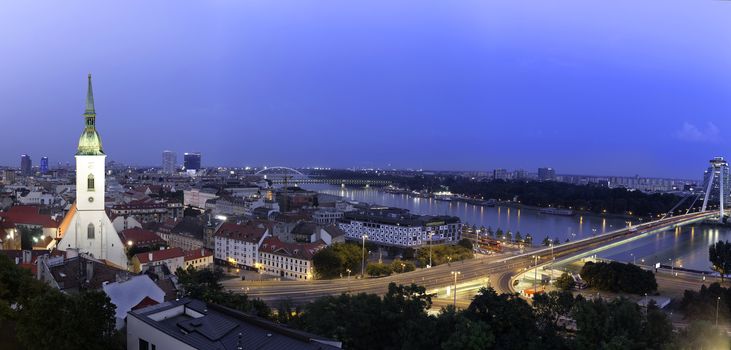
72,253
203,252
26,256
149,256
89,270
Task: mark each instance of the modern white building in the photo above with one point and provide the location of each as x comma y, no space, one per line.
87,227
238,244
326,216
397,227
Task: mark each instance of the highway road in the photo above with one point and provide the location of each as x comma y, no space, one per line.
498,268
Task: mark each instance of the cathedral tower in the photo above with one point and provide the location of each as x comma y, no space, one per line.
89,228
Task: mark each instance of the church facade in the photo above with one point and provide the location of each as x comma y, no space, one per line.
87,226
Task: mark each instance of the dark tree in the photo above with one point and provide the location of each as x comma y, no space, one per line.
565,282
719,254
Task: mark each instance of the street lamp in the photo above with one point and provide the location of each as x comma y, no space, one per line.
634,262
455,273
535,274
348,270
431,238
362,265
718,301
672,266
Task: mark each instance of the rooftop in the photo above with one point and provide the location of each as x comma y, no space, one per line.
158,255
27,215
249,232
209,326
397,216
303,251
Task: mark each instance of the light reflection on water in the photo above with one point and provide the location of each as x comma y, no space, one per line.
687,245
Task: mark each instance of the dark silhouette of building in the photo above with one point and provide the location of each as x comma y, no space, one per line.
546,174
26,165
192,160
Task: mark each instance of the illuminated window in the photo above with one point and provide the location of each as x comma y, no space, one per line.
90,231
90,182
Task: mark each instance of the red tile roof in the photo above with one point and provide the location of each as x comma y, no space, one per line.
140,236
28,215
197,254
249,232
159,255
303,251
147,301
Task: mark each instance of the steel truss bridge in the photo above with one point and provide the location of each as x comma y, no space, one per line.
280,175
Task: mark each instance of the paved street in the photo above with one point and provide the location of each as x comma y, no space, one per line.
499,268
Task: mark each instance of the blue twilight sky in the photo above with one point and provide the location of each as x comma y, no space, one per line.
593,87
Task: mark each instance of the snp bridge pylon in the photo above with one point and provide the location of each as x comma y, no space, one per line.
716,181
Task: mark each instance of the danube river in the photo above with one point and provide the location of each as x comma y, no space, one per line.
687,247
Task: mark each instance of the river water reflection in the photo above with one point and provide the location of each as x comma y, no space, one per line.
688,246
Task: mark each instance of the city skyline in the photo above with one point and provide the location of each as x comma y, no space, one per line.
501,88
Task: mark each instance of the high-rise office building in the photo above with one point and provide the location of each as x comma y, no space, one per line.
44,165
169,158
26,165
192,160
546,174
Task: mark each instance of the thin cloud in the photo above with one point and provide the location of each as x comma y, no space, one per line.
689,132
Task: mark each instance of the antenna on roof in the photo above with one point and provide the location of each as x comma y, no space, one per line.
238,343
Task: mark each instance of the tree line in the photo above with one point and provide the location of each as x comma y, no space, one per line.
591,197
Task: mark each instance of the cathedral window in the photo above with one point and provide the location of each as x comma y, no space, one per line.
90,182
90,231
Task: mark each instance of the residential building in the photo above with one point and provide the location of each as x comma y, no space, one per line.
397,227
546,174
172,258
500,174
197,197
288,260
144,210
37,198
189,324
520,174
187,233
238,244
76,271
198,258
30,217
140,238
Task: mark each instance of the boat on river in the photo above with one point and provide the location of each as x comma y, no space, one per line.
557,211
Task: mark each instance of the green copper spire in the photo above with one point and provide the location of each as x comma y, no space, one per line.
89,99
90,144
